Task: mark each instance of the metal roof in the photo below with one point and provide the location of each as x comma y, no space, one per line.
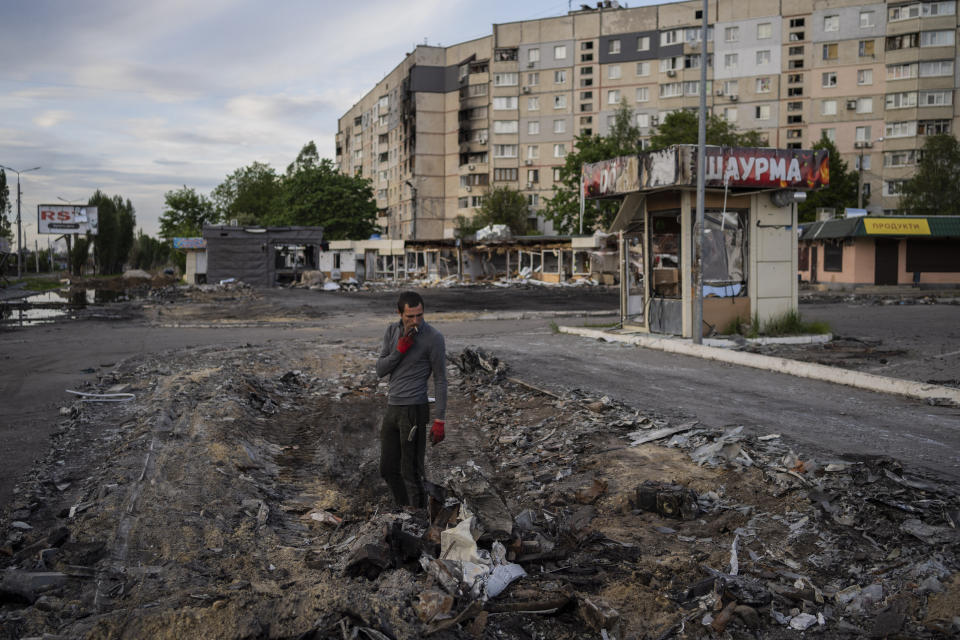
940,227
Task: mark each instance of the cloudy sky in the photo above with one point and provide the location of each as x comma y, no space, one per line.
138,98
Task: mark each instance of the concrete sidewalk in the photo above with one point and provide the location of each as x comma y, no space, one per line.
868,381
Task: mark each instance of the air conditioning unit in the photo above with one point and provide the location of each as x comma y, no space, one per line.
467,189
851,105
526,89
471,167
719,92
528,162
734,98
671,73
482,141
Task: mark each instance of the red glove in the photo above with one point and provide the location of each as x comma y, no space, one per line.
436,432
404,344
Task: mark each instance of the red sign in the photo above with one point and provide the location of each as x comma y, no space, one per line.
766,168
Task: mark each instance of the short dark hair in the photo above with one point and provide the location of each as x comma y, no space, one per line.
409,299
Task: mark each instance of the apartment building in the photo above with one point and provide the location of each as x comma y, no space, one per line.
450,123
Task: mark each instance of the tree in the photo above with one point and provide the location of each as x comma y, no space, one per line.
79,254
248,195
106,242
126,223
313,192
683,127
841,193
503,205
185,212
149,253
935,187
563,209
6,231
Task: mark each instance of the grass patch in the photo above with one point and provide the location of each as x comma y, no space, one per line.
786,324
554,327
41,284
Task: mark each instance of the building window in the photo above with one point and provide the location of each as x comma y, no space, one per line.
643,43
763,56
643,68
505,79
731,34
691,88
828,108
504,102
643,94
762,112
476,201
862,134
730,114
533,151
902,100
794,106
463,203
586,46
504,175
764,30
830,133
731,60
505,126
866,20
933,127
865,76
533,104
533,200
936,98
937,38
829,79
671,90
730,87
504,151
905,41
905,158
892,187
560,52
902,71
795,51
831,23
533,78
865,49
830,51
900,129
559,77
533,176
864,105
560,102
559,150
643,120
533,127
669,37
936,68
833,256
614,47
613,96
613,72
533,55
763,85
559,126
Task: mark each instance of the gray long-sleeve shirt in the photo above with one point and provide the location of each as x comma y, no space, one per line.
409,371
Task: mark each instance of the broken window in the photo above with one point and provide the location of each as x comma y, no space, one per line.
724,253
665,253
833,256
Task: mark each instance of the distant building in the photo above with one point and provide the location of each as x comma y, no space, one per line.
449,123
881,251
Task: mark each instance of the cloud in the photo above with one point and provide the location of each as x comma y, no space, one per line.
51,118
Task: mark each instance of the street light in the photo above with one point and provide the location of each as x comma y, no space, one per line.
19,242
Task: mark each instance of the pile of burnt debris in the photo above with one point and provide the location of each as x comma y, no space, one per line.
237,498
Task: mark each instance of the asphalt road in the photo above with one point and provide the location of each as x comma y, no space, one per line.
38,364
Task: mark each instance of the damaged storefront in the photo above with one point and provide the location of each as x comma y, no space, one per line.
749,239
261,256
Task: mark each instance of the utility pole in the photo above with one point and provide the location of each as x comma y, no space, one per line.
19,240
701,190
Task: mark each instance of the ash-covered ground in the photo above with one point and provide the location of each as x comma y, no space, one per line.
238,497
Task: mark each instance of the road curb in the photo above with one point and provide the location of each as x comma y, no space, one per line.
858,379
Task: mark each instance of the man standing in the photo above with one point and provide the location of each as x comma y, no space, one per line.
412,351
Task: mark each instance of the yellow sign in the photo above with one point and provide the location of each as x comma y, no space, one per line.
897,227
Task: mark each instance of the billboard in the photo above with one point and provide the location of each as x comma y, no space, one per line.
67,219
613,177
189,243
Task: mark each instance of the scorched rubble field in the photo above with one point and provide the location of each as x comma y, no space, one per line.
239,497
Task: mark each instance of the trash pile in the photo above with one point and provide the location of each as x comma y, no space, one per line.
238,496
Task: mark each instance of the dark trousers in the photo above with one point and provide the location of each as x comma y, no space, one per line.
403,443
